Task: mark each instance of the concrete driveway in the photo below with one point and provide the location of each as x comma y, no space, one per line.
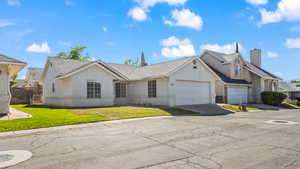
234,141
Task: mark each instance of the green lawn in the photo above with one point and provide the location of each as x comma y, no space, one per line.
43,117
236,108
46,117
125,112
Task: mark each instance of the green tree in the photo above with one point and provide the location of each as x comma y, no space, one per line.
132,62
74,53
13,80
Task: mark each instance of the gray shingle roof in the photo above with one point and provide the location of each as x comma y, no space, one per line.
226,58
261,72
63,66
66,66
228,80
157,70
7,59
222,57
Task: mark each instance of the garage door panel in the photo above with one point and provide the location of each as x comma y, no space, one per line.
237,95
189,93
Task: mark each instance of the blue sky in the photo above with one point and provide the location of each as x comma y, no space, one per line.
113,31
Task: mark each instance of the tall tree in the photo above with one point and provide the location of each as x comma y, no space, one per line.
132,62
74,53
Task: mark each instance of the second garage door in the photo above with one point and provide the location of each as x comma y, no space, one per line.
237,95
190,93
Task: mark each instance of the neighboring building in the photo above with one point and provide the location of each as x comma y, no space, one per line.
239,81
74,83
33,76
8,68
292,88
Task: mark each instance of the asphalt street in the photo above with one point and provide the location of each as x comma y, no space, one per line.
235,141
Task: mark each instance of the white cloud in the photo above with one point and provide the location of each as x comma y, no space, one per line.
14,2
174,47
295,28
151,3
292,43
286,10
272,54
227,48
6,23
257,2
104,29
36,48
69,3
138,14
185,18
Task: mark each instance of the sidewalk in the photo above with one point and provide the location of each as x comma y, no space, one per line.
15,114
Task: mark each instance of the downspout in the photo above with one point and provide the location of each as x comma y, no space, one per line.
9,93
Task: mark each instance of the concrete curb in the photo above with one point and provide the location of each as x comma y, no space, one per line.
75,126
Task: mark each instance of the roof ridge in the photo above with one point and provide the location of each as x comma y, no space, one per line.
53,57
13,59
186,57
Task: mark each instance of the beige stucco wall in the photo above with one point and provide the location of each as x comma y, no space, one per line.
220,90
138,92
72,91
188,73
4,89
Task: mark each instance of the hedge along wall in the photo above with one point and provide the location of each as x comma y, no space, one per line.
273,98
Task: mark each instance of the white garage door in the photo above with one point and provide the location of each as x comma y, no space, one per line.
190,93
237,95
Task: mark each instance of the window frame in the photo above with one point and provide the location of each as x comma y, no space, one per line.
152,88
93,90
120,90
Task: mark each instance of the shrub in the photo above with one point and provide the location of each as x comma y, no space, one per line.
298,99
273,98
298,104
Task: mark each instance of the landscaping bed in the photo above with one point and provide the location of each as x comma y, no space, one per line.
236,108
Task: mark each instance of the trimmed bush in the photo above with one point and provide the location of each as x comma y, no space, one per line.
273,98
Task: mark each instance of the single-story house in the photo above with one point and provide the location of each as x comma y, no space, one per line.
213,77
8,67
76,83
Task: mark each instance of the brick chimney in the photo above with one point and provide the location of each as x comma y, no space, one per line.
255,57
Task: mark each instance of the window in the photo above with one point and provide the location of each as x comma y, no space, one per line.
120,90
53,88
237,67
152,88
93,90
